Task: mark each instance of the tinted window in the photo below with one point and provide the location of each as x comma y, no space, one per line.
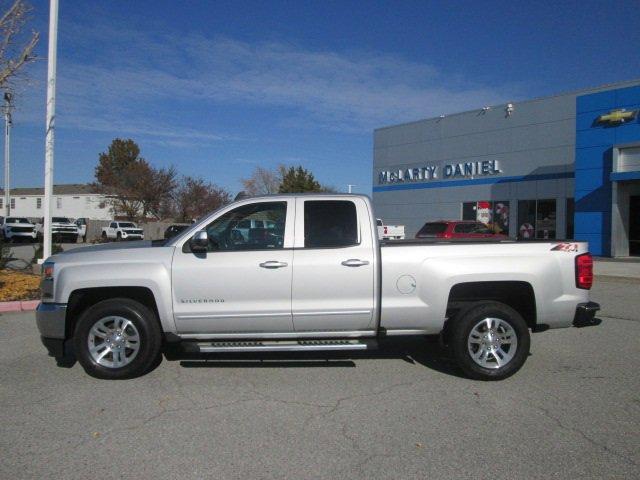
17,220
464,228
60,220
330,223
430,229
127,225
113,225
233,230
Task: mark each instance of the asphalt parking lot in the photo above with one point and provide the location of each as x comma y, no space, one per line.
573,411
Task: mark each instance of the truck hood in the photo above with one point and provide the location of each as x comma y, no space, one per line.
112,252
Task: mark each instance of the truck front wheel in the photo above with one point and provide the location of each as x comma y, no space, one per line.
117,338
490,340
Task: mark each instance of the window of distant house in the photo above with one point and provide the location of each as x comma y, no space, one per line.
13,203
1,202
38,203
58,202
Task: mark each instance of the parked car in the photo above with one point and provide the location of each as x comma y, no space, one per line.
173,230
122,231
321,282
81,223
17,228
62,230
458,229
389,232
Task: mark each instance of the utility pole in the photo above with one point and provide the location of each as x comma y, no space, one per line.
7,153
50,124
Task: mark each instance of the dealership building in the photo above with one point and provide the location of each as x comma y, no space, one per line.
566,166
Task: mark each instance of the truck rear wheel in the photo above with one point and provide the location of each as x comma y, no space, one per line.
117,338
490,340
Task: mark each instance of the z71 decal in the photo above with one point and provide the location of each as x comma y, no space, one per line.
566,247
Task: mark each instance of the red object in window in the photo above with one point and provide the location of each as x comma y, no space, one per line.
584,271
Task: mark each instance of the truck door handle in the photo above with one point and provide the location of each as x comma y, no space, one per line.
355,262
273,264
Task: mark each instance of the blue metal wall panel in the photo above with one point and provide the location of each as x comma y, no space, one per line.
594,147
595,101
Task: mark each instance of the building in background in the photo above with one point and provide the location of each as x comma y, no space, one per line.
566,166
72,201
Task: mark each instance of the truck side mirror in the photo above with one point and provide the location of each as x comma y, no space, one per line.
199,242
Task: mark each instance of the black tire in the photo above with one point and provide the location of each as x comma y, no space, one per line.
118,237
465,322
104,237
144,320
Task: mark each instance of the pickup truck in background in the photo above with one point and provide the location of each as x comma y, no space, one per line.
318,280
62,230
122,231
389,232
17,228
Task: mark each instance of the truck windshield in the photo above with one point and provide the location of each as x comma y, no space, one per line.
60,220
127,225
17,220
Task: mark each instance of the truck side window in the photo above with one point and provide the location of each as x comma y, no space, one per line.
330,223
242,228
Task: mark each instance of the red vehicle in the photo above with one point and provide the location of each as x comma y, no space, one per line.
458,229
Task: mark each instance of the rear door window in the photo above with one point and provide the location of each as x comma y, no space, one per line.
330,224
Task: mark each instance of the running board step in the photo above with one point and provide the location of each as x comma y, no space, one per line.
281,345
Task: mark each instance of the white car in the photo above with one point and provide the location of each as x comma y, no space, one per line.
389,232
17,228
122,231
319,281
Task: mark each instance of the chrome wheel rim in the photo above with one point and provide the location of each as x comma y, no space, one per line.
492,343
113,342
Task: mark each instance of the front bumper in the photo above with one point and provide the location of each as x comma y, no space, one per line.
21,235
51,322
585,315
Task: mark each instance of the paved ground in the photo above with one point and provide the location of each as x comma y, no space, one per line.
572,412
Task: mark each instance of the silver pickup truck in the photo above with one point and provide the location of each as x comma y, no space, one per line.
311,275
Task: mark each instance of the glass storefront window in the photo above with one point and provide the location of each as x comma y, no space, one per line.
537,219
570,213
493,214
546,219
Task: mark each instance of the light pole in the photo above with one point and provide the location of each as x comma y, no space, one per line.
50,124
350,185
7,153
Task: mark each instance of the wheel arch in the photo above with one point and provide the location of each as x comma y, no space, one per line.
519,295
83,298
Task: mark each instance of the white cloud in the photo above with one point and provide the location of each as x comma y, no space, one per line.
134,76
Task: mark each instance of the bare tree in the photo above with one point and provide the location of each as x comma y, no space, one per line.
194,198
15,49
263,181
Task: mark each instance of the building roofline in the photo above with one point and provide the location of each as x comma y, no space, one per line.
581,91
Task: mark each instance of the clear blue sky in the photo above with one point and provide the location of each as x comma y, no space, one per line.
217,88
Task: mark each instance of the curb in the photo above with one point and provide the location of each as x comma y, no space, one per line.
19,306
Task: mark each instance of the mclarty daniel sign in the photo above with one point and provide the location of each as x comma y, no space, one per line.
432,172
